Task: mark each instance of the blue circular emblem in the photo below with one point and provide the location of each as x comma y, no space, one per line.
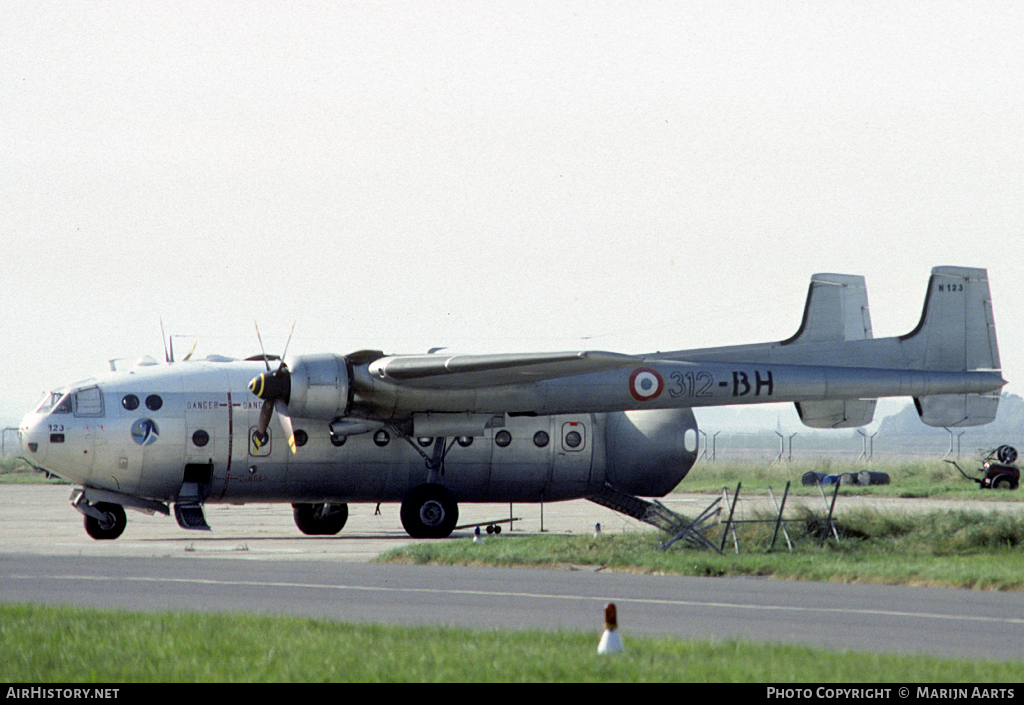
145,432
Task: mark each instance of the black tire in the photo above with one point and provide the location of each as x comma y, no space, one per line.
1003,482
1006,454
111,526
320,519
429,512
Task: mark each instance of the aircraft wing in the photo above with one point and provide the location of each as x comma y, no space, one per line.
475,371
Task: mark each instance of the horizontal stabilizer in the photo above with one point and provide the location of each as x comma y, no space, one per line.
836,413
954,410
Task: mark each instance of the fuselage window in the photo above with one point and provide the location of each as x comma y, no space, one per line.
540,439
200,438
503,438
130,402
154,402
89,402
382,438
301,438
574,436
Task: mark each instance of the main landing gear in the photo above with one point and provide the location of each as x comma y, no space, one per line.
429,512
320,519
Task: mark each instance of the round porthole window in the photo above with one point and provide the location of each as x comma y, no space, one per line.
425,442
382,438
503,438
130,402
154,402
301,438
465,441
338,441
573,439
540,439
200,438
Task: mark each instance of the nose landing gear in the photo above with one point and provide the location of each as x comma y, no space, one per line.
104,521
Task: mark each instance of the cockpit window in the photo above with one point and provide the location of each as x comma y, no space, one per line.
89,402
55,402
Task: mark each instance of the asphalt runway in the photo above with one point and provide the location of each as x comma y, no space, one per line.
256,561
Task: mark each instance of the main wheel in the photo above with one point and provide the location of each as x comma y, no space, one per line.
320,519
429,512
1003,482
111,526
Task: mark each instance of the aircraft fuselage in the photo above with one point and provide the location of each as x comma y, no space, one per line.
144,432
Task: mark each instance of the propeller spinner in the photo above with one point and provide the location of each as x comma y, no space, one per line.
274,388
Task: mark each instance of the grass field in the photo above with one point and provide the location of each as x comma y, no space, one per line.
962,549
72,645
17,471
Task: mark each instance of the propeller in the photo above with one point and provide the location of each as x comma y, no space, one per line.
274,388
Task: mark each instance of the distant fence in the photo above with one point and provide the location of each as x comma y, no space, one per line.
10,446
785,447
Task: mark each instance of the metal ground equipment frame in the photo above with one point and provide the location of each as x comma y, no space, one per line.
997,468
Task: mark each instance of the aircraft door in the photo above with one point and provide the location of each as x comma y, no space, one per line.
207,438
573,455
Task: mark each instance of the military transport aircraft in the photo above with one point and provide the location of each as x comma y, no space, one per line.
434,430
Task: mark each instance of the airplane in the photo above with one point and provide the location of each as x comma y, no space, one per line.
435,430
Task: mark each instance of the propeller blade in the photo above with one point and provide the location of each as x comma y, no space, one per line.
260,436
286,423
286,344
262,351
274,388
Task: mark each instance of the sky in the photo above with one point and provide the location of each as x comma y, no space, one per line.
492,176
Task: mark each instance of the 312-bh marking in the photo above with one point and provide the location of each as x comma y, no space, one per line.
741,385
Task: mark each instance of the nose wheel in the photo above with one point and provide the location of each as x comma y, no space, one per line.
106,521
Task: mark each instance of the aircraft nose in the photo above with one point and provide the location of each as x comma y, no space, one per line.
32,437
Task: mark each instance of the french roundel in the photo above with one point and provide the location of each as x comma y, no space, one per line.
645,384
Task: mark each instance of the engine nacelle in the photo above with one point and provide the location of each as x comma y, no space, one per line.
649,452
319,386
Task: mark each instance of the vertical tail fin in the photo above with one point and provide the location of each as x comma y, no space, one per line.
956,332
836,310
